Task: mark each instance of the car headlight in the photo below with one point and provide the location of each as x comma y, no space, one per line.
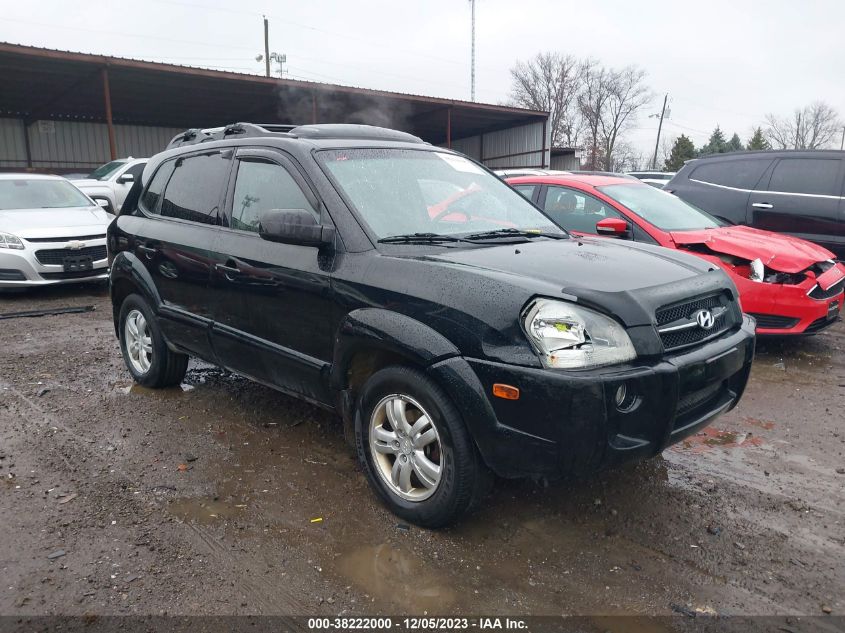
757,270
572,337
7,240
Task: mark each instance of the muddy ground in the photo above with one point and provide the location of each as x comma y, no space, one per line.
225,497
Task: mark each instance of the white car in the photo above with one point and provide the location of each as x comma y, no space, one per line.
50,232
109,183
657,179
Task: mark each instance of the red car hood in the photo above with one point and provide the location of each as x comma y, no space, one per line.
784,253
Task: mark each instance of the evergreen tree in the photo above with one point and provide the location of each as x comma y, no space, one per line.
682,151
758,141
735,144
717,143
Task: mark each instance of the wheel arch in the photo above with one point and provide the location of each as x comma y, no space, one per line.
129,276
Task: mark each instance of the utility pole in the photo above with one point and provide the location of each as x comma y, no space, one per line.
659,129
472,72
266,45
842,144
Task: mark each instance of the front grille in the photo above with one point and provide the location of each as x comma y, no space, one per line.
835,289
79,274
820,324
774,321
78,238
56,256
692,400
680,314
683,310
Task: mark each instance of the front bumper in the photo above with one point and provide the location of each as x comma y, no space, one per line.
567,422
21,268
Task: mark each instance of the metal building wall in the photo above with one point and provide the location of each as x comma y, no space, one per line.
76,145
521,146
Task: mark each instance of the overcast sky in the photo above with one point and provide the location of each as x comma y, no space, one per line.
721,62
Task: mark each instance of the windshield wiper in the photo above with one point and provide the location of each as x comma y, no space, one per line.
505,233
421,238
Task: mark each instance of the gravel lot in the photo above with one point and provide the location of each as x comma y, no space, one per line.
225,497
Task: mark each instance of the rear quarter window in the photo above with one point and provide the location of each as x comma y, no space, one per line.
806,175
740,174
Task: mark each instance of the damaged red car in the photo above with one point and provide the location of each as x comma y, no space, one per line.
790,285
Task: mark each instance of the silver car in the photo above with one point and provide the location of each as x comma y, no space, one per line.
50,232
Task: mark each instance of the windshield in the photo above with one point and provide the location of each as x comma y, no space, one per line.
104,171
40,194
401,192
662,209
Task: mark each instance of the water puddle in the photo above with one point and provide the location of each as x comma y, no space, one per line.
205,511
393,575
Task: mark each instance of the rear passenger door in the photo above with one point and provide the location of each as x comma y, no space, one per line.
803,197
273,310
182,208
721,186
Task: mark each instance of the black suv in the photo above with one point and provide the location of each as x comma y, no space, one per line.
789,191
453,326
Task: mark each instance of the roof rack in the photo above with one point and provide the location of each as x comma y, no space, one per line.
194,136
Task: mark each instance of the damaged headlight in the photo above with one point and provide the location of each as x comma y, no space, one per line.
757,271
8,240
573,337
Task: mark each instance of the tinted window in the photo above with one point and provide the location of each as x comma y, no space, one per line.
806,175
262,186
575,210
136,170
742,174
193,192
526,190
149,201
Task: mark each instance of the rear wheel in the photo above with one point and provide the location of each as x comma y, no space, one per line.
416,450
145,352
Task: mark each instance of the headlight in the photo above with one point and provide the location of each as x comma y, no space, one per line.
10,241
571,337
757,270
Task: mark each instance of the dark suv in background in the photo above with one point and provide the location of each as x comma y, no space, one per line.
450,323
795,192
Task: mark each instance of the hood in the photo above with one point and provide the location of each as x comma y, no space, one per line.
597,264
87,183
69,222
779,252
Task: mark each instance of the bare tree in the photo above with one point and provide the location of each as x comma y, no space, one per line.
550,82
811,127
609,102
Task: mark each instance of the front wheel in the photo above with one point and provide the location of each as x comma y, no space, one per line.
145,352
416,450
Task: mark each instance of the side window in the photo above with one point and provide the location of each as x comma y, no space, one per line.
193,192
526,190
152,195
740,174
806,175
136,170
261,186
575,210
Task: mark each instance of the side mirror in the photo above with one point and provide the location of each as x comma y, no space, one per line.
125,179
612,227
294,226
102,202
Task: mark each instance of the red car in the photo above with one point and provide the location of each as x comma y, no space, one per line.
790,285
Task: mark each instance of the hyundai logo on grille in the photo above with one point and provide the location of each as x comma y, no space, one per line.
705,319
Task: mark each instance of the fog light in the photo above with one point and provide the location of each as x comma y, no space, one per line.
621,394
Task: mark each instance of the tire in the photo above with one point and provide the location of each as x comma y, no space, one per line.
153,364
442,440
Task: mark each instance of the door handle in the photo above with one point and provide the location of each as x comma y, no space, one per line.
761,205
229,272
147,250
